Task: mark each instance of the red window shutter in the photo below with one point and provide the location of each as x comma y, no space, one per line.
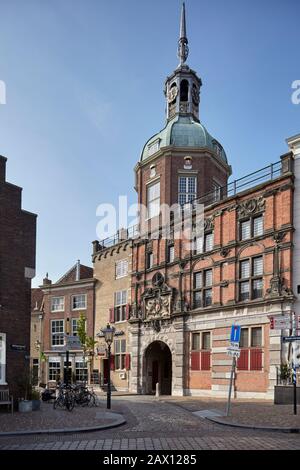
205,360
255,359
243,361
127,312
111,315
127,362
195,360
112,362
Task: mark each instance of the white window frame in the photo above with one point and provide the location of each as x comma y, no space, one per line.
85,302
3,359
189,196
59,333
57,309
153,202
120,354
121,305
121,268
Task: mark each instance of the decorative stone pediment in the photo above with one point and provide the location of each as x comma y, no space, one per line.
251,206
158,299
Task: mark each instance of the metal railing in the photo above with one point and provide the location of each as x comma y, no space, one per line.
268,173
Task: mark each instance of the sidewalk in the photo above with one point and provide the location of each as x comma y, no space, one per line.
49,420
256,414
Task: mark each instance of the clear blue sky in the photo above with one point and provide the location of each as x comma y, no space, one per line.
85,91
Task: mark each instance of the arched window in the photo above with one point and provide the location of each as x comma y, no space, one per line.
184,90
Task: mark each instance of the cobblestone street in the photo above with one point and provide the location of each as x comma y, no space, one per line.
167,424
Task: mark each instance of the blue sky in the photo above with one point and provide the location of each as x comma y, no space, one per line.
84,85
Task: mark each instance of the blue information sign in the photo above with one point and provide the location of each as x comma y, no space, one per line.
235,334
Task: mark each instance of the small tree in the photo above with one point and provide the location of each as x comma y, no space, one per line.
87,342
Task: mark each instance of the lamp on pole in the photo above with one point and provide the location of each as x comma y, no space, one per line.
108,334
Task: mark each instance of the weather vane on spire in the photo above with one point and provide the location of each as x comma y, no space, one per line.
183,49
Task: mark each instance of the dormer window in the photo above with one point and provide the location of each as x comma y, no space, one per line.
154,147
152,171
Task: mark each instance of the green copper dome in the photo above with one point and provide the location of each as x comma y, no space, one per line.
182,131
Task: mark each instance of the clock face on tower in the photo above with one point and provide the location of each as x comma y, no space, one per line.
172,93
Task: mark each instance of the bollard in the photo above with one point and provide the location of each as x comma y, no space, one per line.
157,391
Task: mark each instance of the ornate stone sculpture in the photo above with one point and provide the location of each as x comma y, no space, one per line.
157,299
251,206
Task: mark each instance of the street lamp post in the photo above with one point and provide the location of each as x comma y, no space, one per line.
108,334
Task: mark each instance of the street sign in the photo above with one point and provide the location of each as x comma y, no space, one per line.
281,322
73,342
290,339
235,334
234,352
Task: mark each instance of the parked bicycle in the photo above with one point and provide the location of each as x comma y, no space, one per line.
65,398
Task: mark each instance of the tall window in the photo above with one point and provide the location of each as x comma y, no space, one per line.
121,268
252,227
79,302
74,326
187,189
149,260
204,243
120,354
81,370
251,280
120,305
57,332
171,253
57,304
203,288
153,199
200,354
2,358
216,191
54,368
251,349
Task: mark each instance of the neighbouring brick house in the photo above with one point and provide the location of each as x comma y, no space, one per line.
17,268
112,269
184,298
63,302
36,334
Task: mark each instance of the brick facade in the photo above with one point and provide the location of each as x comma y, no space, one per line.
17,268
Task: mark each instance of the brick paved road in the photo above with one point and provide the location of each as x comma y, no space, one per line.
158,425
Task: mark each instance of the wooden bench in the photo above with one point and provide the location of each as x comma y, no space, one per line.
6,399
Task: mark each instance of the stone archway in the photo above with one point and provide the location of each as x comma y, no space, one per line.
158,368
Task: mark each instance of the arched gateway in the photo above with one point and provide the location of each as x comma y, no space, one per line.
158,368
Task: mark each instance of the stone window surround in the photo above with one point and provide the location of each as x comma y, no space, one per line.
252,277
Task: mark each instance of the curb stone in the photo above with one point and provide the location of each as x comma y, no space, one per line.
252,426
118,421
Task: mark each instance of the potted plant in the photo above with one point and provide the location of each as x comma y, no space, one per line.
35,399
25,403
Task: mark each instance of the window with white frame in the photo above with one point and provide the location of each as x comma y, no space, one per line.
153,199
120,354
171,253
204,243
54,368
121,268
57,304
79,302
57,332
251,227
74,326
2,358
81,370
120,305
187,189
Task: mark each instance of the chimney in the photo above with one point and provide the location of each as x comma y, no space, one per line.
46,281
3,161
78,270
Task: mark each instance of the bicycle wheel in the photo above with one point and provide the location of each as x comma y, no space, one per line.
59,402
70,402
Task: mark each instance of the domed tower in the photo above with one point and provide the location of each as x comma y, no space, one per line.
183,161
